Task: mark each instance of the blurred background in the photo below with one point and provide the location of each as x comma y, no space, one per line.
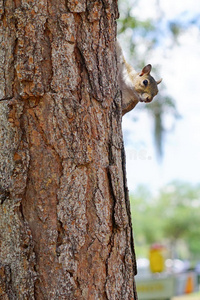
162,139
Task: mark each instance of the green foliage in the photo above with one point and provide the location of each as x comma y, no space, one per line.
130,21
170,217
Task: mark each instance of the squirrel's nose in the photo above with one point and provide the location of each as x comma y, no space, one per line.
148,99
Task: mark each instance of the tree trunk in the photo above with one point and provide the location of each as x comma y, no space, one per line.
65,226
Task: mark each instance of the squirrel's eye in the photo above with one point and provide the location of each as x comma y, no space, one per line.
145,82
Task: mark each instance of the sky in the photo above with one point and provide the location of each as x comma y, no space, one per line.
180,70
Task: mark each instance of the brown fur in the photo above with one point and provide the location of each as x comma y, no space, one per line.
135,87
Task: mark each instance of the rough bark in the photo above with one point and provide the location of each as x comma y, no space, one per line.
65,226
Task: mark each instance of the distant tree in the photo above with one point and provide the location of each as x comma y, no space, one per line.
178,206
172,216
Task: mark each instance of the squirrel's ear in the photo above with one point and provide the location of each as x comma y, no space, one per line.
159,81
146,70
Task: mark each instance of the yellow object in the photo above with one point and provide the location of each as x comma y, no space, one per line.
189,288
156,259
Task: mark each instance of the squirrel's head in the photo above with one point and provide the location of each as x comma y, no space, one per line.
146,85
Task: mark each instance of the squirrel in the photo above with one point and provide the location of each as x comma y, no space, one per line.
135,87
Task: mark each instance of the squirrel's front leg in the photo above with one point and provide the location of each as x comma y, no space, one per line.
126,73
